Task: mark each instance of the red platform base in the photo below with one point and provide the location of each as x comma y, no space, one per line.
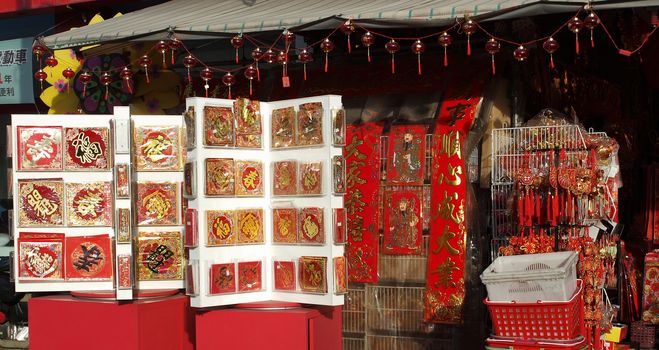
64,322
309,328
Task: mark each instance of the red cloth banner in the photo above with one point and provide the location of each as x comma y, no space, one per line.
362,198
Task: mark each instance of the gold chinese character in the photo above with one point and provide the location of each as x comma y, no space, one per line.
86,151
41,149
154,148
249,226
452,172
285,227
451,144
88,204
355,229
44,207
222,228
446,208
251,180
443,242
444,272
157,203
310,227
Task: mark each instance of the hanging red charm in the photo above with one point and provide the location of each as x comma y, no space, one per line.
327,46
145,62
392,47
39,50
127,75
305,57
85,78
250,74
282,58
162,47
469,28
367,40
289,38
575,26
348,28
550,45
445,39
106,80
68,73
174,45
206,75
270,56
418,48
237,42
521,53
492,47
189,61
591,21
228,79
51,62
40,75
257,55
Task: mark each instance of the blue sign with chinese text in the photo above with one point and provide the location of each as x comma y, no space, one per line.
16,71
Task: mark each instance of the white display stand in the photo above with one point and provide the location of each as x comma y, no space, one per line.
203,256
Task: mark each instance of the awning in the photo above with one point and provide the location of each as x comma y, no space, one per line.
200,19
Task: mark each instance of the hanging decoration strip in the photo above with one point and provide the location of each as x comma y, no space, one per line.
445,288
362,155
271,53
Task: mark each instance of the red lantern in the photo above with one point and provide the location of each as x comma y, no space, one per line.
550,45
237,42
85,78
189,61
327,46
392,47
367,40
575,26
174,45
469,28
145,62
348,28
282,58
492,47
40,75
228,79
126,75
257,55
162,47
591,21
521,53
39,50
269,56
250,74
305,57
51,62
68,73
106,79
418,48
445,39
206,75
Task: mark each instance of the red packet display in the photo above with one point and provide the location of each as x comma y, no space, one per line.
249,141
190,180
651,288
250,226
338,127
249,178
189,118
123,234
157,203
310,124
125,271
220,180
218,126
407,155
311,178
191,280
122,181
159,256
338,175
340,227
340,275
284,275
40,256
284,178
402,222
248,116
39,148
41,202
249,276
158,148
221,227
311,227
89,204
87,149
222,278
313,274
88,258
284,222
283,127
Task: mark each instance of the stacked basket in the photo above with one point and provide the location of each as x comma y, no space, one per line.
535,302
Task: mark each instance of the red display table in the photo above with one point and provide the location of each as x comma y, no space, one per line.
308,328
63,322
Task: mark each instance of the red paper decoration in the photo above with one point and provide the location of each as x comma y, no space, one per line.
126,75
250,74
327,46
206,75
575,26
106,80
145,62
445,39
85,78
174,45
40,75
348,28
162,47
551,45
68,73
270,56
257,55
521,53
469,28
392,47
189,61
228,79
367,40
591,21
492,47
237,42
282,58
418,48
305,57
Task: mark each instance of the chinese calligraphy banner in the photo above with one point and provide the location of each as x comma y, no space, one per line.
16,71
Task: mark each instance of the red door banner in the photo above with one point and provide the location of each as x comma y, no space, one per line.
445,290
362,199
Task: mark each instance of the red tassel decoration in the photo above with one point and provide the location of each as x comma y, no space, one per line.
418,48
304,57
445,39
348,28
492,47
591,21
550,46
575,26
327,46
367,40
469,28
237,42
162,46
106,79
392,47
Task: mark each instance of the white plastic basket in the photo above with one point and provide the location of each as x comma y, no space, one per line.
532,277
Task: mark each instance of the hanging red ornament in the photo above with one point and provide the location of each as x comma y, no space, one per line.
269,56
68,73
228,79
348,28
521,53
282,58
305,57
250,74
492,47
174,46
551,45
392,47
189,61
162,47
445,39
40,75
39,50
145,62
367,40
575,26
257,55
591,21
469,28
418,48
51,62
85,78
106,80
206,75
237,42
289,38
126,75
327,46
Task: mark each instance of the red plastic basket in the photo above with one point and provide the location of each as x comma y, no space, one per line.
542,320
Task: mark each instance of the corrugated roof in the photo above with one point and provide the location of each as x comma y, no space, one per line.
203,18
